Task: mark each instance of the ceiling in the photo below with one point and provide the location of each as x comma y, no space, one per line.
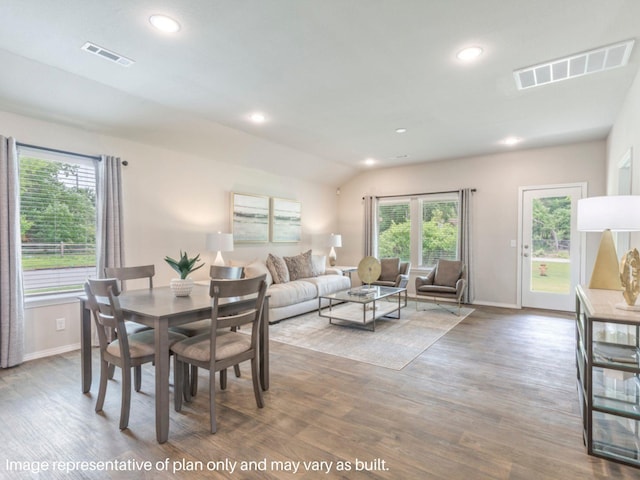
334,78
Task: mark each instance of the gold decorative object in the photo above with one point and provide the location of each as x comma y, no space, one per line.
629,278
369,270
605,273
610,213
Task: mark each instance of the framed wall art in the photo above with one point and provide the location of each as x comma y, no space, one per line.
286,220
249,218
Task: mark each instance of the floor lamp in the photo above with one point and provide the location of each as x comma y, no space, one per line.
219,242
611,213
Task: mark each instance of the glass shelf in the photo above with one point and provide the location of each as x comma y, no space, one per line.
616,436
616,391
619,334
616,355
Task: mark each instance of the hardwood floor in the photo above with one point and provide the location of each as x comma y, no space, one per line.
495,398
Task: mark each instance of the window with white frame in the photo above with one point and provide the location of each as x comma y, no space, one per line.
57,220
420,229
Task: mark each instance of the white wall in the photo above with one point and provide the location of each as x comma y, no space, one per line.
497,179
172,200
625,134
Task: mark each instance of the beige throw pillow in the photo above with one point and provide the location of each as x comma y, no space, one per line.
278,269
299,266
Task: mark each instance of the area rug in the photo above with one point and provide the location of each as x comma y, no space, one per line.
393,345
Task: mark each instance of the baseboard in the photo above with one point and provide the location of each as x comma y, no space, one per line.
52,351
496,304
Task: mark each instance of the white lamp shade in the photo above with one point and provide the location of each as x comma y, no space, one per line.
618,213
220,242
335,240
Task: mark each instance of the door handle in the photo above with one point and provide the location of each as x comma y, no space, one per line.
525,254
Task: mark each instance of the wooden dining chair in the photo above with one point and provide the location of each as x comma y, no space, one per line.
221,348
216,272
122,274
118,348
131,273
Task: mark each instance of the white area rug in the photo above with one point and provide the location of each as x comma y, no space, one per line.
394,344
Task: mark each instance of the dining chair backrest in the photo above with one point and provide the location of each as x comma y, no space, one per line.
131,273
249,312
102,298
220,272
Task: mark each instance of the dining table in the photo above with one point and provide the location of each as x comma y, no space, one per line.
160,309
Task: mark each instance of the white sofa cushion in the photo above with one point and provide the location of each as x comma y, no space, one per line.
319,264
283,294
327,284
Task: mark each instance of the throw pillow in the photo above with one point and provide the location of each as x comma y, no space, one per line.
300,266
389,269
319,264
278,269
448,272
257,268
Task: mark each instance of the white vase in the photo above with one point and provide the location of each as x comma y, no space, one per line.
180,287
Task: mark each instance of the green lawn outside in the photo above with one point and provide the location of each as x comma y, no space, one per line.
557,279
36,262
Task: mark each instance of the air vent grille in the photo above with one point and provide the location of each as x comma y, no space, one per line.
107,54
596,60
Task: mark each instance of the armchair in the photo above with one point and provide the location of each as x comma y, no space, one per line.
447,280
394,273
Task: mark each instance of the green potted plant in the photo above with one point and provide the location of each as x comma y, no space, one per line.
182,286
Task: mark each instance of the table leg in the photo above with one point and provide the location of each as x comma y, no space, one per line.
162,379
85,346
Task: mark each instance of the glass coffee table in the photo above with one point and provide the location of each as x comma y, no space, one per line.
362,306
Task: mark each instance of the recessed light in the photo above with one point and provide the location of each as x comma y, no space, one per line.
509,141
401,130
469,53
369,161
164,23
258,117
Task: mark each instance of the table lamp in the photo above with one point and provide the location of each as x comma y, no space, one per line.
335,240
611,213
219,242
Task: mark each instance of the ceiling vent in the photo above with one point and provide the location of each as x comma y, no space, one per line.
107,54
585,63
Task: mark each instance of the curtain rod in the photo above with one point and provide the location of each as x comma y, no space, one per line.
473,190
54,150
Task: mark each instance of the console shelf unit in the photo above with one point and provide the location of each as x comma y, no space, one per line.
608,371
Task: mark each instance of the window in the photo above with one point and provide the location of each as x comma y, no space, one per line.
419,229
57,220
394,229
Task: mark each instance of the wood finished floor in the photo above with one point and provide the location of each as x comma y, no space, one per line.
495,398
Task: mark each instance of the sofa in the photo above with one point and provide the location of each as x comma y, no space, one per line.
295,283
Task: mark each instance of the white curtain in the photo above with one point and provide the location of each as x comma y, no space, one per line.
11,289
110,241
466,240
370,226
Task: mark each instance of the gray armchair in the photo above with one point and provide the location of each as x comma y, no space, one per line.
448,280
394,273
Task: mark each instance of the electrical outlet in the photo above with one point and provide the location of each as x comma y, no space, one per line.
60,324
